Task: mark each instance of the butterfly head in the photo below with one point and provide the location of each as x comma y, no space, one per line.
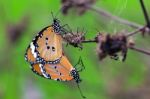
77,79
56,21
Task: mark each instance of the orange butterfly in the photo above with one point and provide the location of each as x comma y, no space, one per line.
62,71
46,56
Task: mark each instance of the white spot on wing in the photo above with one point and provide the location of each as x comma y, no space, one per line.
43,72
33,49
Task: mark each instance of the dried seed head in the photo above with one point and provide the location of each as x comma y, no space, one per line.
111,45
101,37
78,5
74,39
145,31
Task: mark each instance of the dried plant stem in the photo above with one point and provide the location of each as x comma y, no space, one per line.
110,16
89,41
140,50
142,29
130,47
145,13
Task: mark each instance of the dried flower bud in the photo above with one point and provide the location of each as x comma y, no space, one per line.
111,45
79,5
74,39
145,30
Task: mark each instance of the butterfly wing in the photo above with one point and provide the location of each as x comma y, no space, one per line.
29,56
49,45
60,71
46,46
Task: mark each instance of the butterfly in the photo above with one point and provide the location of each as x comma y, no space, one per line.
46,57
62,71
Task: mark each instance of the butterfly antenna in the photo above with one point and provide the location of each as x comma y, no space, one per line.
80,62
80,91
57,13
52,15
55,16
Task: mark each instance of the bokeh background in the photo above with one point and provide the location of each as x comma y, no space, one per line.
21,20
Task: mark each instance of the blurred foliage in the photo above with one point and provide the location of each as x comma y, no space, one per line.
108,79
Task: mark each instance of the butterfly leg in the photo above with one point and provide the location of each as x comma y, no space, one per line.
124,53
80,46
64,30
68,27
80,66
67,44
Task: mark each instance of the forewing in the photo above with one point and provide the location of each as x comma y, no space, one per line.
49,45
46,46
29,56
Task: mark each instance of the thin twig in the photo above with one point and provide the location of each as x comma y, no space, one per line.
145,13
143,29
89,41
140,50
110,16
130,47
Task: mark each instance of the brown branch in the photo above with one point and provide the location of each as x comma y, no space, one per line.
131,47
110,16
89,41
142,29
145,13
140,50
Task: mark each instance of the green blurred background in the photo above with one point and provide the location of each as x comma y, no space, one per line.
107,79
